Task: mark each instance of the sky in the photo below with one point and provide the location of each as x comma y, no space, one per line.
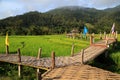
18,7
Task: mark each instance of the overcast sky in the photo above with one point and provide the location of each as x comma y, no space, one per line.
17,7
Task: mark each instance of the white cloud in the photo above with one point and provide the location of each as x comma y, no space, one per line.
101,4
47,4
15,7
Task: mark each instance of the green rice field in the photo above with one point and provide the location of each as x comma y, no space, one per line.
29,45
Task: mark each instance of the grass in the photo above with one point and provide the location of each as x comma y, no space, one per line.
29,45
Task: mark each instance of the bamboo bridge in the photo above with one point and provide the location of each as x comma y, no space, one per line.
69,67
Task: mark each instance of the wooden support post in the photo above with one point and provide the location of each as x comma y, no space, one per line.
100,35
104,35
19,70
39,77
53,60
38,70
39,53
19,60
93,34
38,74
72,50
109,35
106,42
82,56
81,35
7,49
19,55
91,40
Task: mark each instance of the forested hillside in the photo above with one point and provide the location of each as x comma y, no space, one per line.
61,20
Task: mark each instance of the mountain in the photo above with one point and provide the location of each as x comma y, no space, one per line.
80,13
61,20
117,8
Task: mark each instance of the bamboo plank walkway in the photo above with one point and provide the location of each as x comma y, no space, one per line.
80,72
89,53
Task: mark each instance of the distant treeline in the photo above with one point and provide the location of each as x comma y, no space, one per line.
61,20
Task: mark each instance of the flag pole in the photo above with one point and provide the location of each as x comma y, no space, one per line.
7,44
7,49
113,29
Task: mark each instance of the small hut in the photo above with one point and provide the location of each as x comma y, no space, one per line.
73,34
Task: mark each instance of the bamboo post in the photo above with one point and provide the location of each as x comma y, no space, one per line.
7,49
19,55
39,77
39,53
109,35
72,50
93,34
82,56
104,35
38,57
106,41
100,35
19,60
53,60
19,70
38,70
81,35
91,40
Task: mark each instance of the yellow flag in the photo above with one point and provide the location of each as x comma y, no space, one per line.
6,40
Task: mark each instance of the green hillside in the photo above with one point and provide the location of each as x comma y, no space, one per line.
60,20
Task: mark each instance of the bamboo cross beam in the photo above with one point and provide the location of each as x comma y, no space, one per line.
102,45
